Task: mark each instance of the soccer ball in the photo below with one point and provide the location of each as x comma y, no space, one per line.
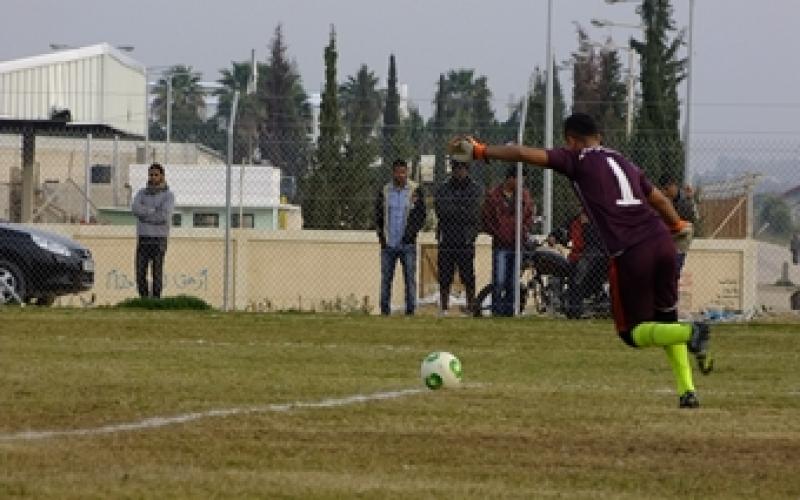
441,370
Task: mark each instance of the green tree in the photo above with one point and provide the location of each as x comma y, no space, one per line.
467,106
188,104
283,138
656,146
319,193
564,202
361,102
411,140
249,113
391,117
463,106
777,215
598,89
438,132
613,91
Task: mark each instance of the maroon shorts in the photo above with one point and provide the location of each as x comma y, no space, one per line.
643,281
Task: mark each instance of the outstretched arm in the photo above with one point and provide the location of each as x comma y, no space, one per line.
468,149
514,153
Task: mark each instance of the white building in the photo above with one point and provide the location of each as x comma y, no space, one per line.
199,192
98,84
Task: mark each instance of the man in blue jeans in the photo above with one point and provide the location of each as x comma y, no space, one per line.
399,216
499,220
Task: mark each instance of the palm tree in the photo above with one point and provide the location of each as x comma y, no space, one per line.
250,112
188,101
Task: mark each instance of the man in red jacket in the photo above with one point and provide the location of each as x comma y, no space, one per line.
499,221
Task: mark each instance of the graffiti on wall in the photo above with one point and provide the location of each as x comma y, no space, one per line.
197,281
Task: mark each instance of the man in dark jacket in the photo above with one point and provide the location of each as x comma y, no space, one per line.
499,220
458,210
399,216
683,201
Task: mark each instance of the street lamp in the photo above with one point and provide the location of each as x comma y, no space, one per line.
602,23
65,46
548,125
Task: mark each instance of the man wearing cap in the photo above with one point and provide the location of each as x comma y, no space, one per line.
458,210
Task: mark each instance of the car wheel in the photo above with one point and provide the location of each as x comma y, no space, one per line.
12,284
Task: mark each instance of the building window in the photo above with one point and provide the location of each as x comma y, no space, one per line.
205,220
101,174
176,220
249,221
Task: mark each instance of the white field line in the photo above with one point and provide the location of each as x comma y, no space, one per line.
155,422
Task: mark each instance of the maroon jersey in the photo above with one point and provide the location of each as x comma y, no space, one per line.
613,191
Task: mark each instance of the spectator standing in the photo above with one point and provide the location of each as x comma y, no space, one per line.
458,211
683,201
399,216
499,220
152,206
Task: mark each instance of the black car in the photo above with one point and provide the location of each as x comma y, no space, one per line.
37,266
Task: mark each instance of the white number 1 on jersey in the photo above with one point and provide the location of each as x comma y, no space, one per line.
624,185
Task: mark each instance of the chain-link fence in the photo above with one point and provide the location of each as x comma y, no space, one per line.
307,233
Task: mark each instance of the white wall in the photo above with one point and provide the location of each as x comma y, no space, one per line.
204,185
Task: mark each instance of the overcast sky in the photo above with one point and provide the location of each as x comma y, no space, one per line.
746,76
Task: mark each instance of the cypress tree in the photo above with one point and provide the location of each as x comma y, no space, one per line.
391,117
318,188
439,133
657,147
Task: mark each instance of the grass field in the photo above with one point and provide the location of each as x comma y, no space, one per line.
159,404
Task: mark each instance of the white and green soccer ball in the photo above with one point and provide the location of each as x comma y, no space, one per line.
441,370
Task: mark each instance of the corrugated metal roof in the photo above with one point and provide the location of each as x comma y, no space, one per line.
71,55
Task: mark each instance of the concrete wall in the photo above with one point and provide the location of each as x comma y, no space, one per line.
719,274
307,269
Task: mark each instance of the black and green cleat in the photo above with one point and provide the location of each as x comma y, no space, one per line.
705,362
689,400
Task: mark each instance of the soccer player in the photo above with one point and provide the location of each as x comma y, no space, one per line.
634,220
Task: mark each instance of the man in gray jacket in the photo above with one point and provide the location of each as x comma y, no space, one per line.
152,207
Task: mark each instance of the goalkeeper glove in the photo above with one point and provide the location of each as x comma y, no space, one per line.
466,149
682,233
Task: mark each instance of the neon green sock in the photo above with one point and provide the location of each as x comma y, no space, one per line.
661,334
678,356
